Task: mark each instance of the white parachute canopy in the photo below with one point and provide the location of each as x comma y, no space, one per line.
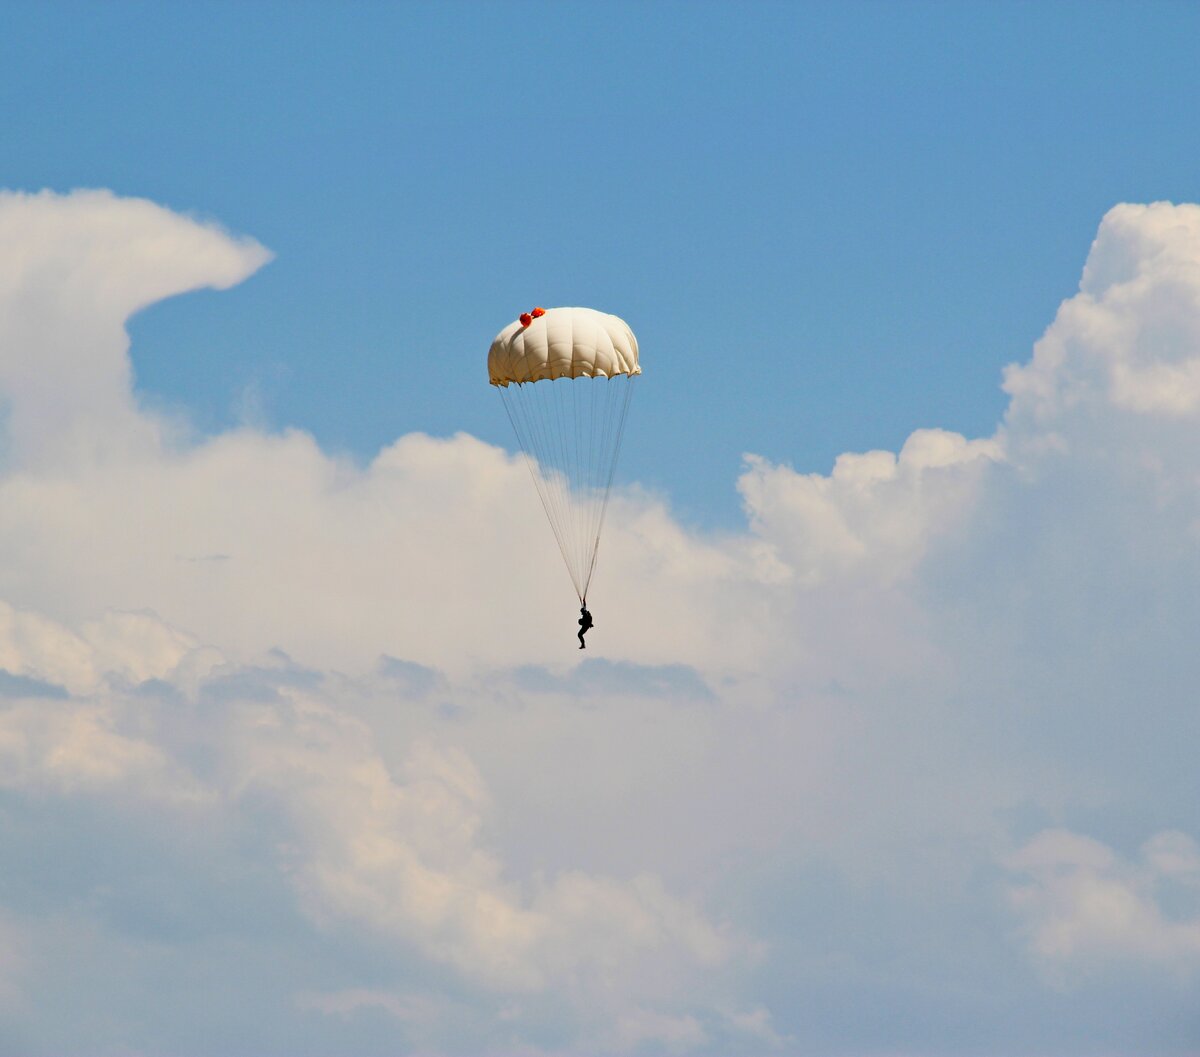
566,377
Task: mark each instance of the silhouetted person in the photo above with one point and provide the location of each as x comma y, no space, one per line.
585,622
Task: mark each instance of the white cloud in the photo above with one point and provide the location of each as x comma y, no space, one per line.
48,741
874,516
264,662
675,1033
395,853
402,855
756,1023
1085,907
1128,339
74,268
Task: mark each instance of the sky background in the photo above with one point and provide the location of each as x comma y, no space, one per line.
875,205
885,740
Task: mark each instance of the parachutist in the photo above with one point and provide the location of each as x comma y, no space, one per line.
585,623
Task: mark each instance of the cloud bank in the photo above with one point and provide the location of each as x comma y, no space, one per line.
909,755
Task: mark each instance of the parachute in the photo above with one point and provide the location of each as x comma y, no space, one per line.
566,377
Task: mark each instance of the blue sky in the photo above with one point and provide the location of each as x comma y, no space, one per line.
829,224
884,739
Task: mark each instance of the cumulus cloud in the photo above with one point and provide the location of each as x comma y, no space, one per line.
393,851
874,516
74,269
251,712
1086,907
402,856
1129,337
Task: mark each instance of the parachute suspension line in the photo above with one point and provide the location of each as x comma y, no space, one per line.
612,470
525,440
562,434
571,441
602,448
556,454
535,416
581,446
